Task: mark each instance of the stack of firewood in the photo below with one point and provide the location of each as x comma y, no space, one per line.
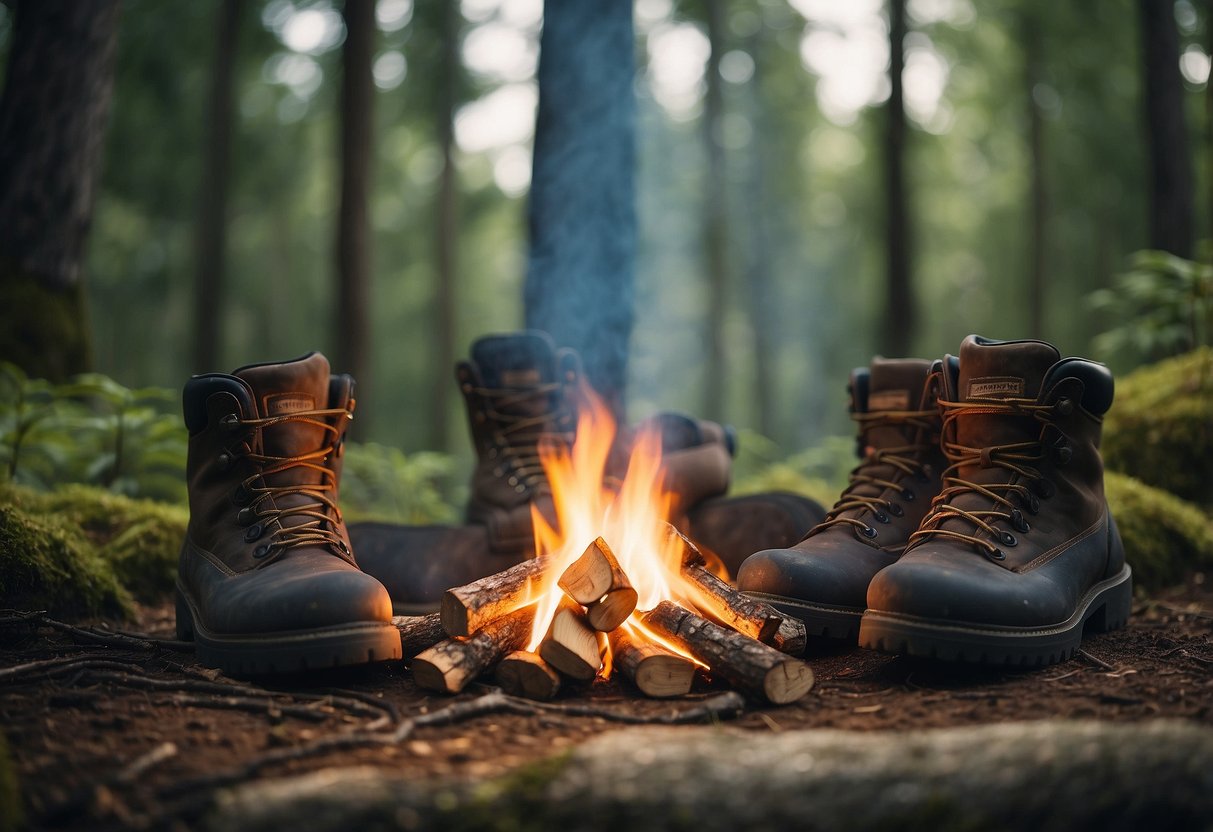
485,626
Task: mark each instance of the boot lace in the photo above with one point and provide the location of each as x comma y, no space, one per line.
522,433
906,460
323,517
1019,459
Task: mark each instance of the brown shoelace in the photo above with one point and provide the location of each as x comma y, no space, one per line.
1017,458
906,460
323,515
521,435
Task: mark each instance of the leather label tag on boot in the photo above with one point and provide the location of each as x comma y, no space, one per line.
282,403
992,386
519,378
889,400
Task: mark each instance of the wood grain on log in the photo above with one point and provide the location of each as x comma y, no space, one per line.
419,632
730,607
749,665
655,671
466,609
612,609
450,665
791,637
594,574
571,645
525,674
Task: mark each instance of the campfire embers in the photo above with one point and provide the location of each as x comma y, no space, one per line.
615,588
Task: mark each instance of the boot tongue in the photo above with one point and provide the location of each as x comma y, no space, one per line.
518,362
290,387
895,384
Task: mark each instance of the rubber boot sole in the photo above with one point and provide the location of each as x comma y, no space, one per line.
290,651
820,620
1105,607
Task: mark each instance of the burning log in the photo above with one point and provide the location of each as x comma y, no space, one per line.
419,632
596,581
614,609
656,672
450,665
571,644
465,609
755,668
791,637
526,674
730,607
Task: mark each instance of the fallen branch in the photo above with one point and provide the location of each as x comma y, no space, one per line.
450,665
419,632
465,609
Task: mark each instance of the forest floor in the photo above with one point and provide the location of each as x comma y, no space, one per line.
137,735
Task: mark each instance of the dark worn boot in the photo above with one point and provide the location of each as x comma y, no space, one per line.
267,581
823,580
1019,553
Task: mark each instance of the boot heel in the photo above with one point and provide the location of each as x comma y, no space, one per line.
185,619
1114,607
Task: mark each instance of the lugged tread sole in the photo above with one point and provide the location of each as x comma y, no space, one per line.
290,651
1104,608
820,620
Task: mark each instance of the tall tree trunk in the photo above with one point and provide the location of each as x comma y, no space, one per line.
1038,202
210,245
446,233
900,316
582,212
53,115
1171,192
715,220
353,223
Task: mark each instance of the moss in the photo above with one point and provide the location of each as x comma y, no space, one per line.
1160,427
47,563
10,794
1164,536
132,543
43,329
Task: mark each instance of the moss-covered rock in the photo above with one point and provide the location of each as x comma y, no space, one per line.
1164,536
1160,427
10,794
113,541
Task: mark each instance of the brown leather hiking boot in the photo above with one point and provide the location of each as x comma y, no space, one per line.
823,580
266,579
1019,553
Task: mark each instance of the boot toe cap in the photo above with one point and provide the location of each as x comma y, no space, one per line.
813,577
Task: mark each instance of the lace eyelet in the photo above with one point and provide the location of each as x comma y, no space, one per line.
896,510
869,532
513,481
1044,488
224,461
1064,406
230,422
881,517
520,488
996,554
262,550
253,532
246,516
241,496
1063,452
907,494
1007,539
1019,523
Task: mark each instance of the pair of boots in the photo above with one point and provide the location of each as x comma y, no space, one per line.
975,527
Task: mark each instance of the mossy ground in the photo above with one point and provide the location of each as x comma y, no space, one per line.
1164,536
1160,427
84,551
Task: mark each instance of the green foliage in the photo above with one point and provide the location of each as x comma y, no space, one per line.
819,472
1160,427
382,483
1163,306
91,430
1164,536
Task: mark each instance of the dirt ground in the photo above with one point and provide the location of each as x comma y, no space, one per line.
108,736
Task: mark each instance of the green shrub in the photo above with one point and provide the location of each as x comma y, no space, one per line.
1164,536
382,483
1160,427
819,472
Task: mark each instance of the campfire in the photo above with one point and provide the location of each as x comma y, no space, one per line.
614,587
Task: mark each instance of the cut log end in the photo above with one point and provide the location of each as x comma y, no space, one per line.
791,637
435,670
787,682
465,609
571,645
527,675
612,609
653,669
593,575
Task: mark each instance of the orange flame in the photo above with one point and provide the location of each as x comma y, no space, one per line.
632,518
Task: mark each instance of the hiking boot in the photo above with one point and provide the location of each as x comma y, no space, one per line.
733,528
266,580
1019,553
823,580
520,392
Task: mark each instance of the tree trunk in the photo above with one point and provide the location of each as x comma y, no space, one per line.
447,233
53,116
1038,201
211,241
1171,192
353,228
897,331
715,220
582,212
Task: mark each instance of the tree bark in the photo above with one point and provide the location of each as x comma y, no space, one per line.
210,244
1038,196
53,115
467,608
579,285
897,331
1171,190
446,233
715,220
353,228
